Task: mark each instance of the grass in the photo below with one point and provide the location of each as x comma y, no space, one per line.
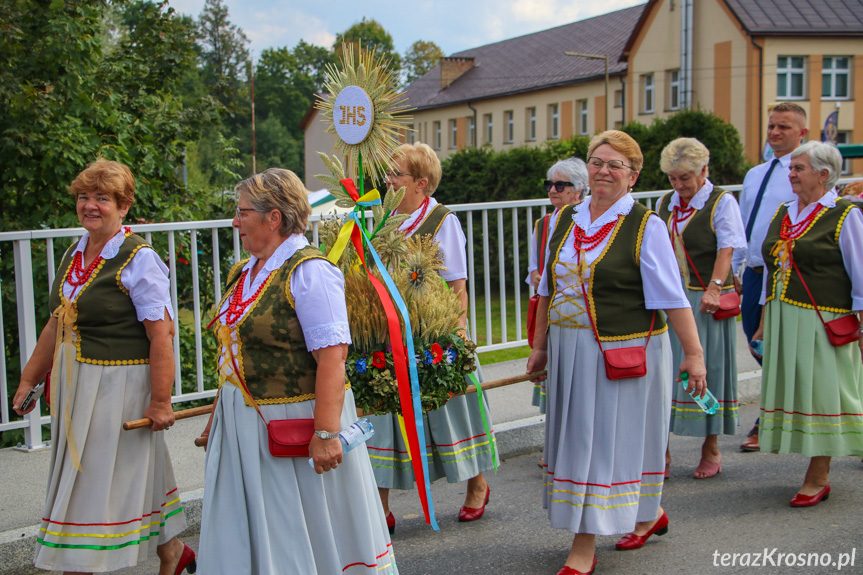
490,357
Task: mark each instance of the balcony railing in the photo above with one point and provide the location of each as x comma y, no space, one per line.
213,235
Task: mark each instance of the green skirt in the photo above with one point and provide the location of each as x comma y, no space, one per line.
811,392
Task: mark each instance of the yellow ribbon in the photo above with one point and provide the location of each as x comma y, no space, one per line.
67,316
371,198
405,436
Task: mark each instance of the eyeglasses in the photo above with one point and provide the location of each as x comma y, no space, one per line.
241,210
558,185
614,165
393,174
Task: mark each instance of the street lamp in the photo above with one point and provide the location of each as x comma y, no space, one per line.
598,57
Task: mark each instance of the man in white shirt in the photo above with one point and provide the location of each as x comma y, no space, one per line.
765,188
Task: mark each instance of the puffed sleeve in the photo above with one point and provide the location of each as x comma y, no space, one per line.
318,289
659,272
531,255
146,280
452,242
728,224
851,246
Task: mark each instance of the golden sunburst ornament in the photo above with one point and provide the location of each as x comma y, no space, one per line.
365,111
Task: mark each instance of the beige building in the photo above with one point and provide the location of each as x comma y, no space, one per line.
730,57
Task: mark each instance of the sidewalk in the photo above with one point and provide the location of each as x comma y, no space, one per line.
518,426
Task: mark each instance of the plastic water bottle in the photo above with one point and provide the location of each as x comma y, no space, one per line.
757,346
708,404
358,432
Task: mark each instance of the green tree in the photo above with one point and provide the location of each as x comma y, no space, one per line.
421,57
224,56
372,36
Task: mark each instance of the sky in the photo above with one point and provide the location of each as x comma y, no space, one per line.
454,25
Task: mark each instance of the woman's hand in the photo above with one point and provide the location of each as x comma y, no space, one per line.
161,414
24,387
710,299
694,366
325,453
534,279
536,362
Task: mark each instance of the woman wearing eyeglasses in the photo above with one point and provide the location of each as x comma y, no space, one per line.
611,269
705,227
566,185
457,445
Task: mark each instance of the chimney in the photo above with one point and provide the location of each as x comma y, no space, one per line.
452,68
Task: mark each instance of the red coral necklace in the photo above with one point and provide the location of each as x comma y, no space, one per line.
410,229
789,231
585,243
78,276
236,306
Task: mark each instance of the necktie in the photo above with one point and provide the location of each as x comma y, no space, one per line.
758,199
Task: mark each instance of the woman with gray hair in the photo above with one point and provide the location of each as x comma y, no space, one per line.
566,185
705,226
282,330
812,380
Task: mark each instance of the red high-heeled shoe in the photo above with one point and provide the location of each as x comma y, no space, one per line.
187,561
801,500
472,514
391,523
570,571
633,541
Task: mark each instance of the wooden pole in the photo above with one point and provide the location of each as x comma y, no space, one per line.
206,409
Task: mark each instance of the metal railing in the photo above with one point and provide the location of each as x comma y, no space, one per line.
476,219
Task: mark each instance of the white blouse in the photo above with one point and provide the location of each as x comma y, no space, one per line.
145,278
727,221
318,289
659,272
850,245
451,239
532,264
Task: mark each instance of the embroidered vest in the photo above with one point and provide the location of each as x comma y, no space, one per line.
615,290
432,223
107,328
816,253
699,237
272,356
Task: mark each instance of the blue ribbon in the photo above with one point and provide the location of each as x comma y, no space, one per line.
412,366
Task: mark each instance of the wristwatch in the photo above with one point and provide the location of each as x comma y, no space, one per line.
717,282
326,434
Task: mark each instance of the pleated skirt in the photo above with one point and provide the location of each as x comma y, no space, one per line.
457,445
274,515
124,502
719,340
605,439
539,398
811,392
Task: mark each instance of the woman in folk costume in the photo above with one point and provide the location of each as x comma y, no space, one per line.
283,336
611,269
705,227
112,500
812,385
458,447
566,185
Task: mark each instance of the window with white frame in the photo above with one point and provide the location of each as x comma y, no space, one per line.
509,126
531,124
618,98
412,135
844,138
436,128
674,89
582,117
488,128
554,121
791,77
453,134
471,131
835,73
647,93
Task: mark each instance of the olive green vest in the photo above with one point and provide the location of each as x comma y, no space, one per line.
615,290
816,253
433,221
699,237
272,356
107,328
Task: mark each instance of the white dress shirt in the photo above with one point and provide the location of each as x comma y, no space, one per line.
727,222
532,263
778,192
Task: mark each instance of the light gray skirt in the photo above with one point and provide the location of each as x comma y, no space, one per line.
719,340
124,502
274,515
604,439
457,446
